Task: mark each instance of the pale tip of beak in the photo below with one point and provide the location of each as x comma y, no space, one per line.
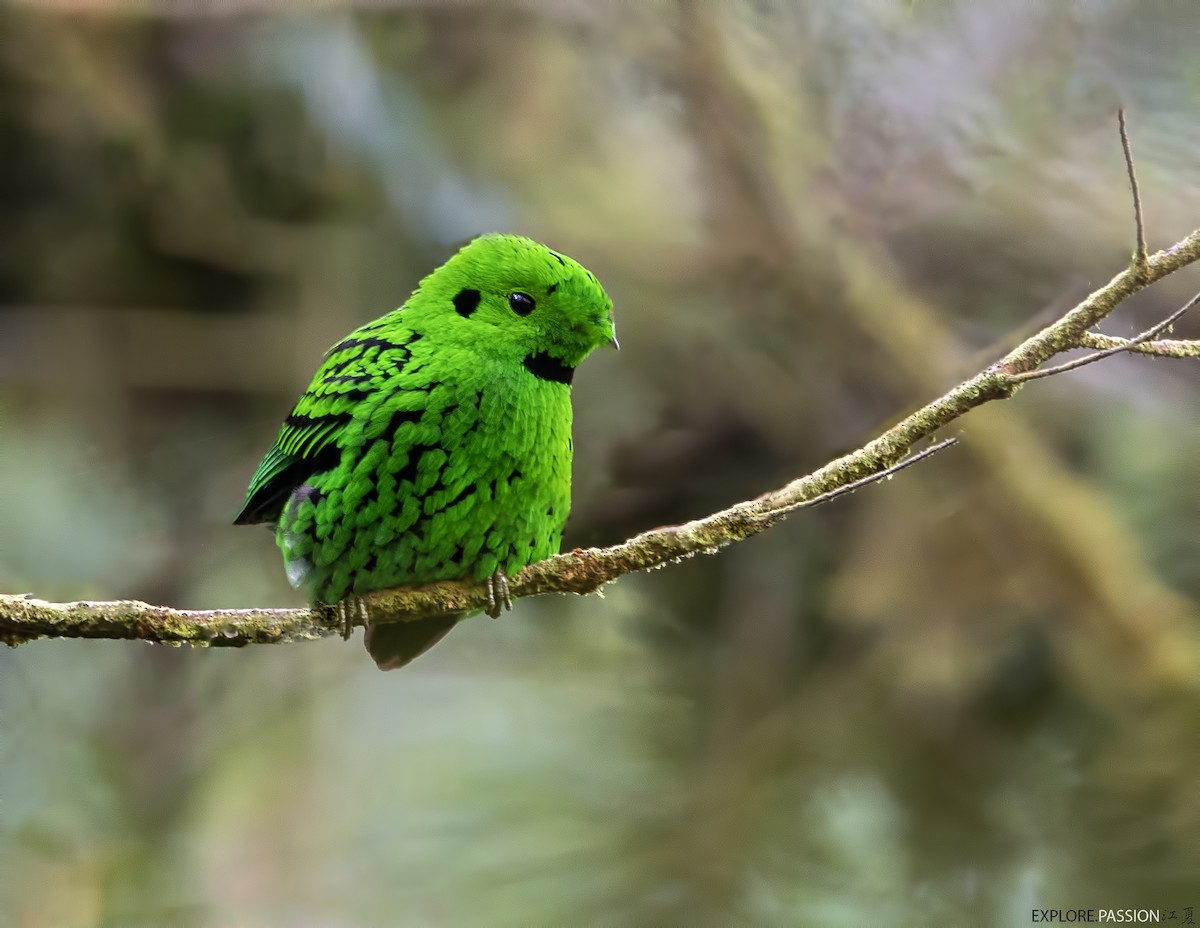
616,344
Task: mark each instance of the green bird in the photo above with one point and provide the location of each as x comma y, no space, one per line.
435,442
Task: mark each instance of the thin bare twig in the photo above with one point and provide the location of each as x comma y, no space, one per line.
1140,256
857,484
1127,345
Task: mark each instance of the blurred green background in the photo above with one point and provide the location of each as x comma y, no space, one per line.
949,699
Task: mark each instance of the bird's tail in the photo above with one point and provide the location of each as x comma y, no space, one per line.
396,643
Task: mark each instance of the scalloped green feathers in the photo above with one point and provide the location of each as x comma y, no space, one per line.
435,442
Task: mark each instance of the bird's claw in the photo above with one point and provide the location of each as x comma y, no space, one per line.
352,611
498,595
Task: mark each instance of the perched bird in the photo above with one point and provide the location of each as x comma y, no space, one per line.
435,442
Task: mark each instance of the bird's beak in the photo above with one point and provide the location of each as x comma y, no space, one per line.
615,344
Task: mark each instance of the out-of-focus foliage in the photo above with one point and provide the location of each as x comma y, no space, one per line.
968,692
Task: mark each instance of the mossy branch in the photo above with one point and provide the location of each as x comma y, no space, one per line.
24,618
1159,348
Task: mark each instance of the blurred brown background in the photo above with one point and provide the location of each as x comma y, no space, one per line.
949,699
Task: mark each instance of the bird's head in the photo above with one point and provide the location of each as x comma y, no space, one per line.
512,297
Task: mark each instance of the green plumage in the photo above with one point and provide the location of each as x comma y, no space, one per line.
435,442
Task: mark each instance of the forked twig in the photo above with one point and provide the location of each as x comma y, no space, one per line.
1108,352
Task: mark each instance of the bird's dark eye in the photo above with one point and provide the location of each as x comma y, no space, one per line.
521,303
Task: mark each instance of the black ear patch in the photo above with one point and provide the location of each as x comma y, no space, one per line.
546,367
465,302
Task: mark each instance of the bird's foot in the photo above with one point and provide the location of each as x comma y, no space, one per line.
352,611
497,586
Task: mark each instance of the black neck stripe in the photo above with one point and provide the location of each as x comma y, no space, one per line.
545,367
